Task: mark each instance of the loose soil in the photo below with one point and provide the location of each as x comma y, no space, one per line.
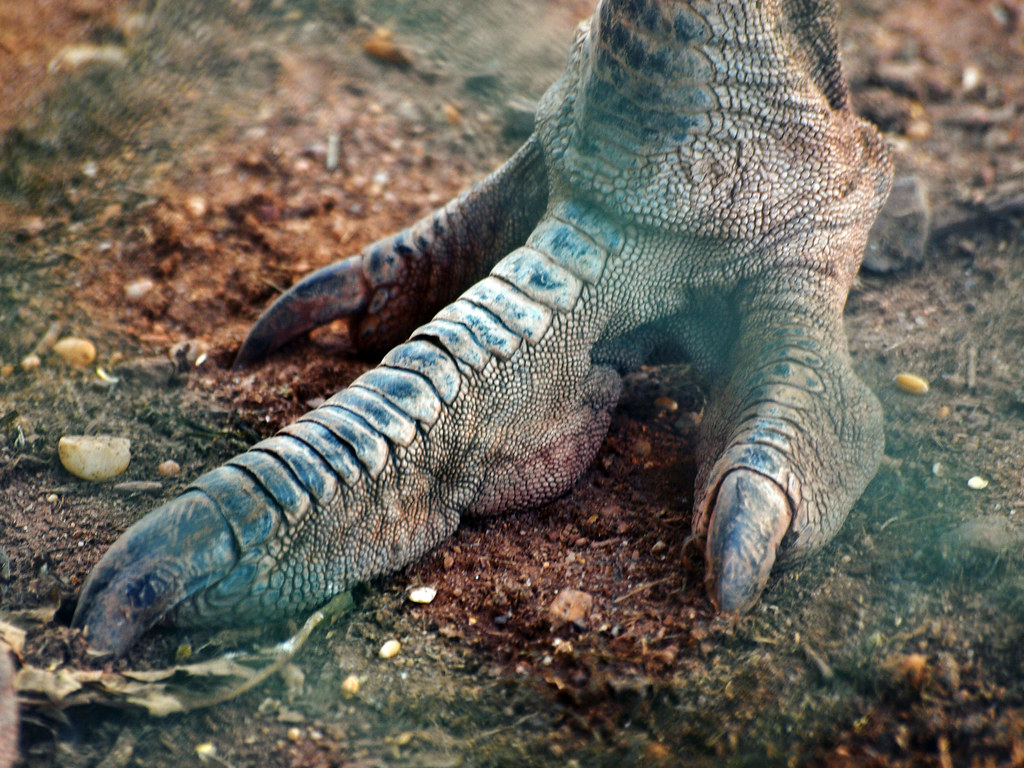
194,157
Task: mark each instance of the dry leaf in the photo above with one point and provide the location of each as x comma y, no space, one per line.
168,691
14,637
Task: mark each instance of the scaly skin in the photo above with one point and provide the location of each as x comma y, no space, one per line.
706,192
8,710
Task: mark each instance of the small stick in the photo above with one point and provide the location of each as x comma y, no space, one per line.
642,588
48,339
333,150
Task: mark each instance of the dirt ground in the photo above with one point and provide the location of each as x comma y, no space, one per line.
164,174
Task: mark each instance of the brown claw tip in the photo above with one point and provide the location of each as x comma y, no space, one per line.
750,517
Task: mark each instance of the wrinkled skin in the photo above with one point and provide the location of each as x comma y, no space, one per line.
696,187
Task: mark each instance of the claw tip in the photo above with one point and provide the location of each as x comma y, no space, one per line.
750,517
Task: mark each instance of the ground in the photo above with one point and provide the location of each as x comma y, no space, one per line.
164,174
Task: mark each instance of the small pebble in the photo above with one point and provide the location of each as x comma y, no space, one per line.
52,498
971,78
75,351
196,206
918,129
666,404
350,686
136,290
380,45
294,734
911,384
169,468
687,422
977,483
422,595
947,670
571,606
206,749
390,649
519,116
30,362
97,457
451,114
6,370
982,539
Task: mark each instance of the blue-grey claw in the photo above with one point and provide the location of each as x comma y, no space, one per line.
751,515
162,560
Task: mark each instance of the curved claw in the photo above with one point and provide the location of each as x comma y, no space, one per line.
334,291
750,517
166,557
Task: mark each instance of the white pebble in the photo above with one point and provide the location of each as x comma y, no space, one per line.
196,206
75,351
971,78
977,483
390,649
423,595
350,686
206,750
30,362
136,290
97,457
911,383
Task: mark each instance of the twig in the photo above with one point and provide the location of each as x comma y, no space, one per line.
289,648
815,658
642,588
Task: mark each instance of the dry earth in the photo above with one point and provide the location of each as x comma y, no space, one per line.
190,154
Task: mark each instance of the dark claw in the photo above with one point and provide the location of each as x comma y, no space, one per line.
750,517
162,560
337,290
